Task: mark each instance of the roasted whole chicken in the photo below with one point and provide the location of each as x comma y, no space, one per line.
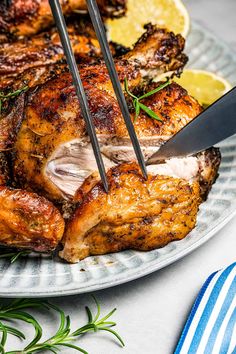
46,153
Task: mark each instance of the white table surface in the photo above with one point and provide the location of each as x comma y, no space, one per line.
152,311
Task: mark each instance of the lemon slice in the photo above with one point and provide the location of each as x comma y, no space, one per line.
205,86
170,14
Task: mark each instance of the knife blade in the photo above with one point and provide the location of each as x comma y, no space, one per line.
213,125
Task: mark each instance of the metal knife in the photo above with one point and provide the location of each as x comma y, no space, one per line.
213,125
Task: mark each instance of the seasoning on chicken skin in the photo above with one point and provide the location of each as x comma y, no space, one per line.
136,214
53,121
28,17
44,135
29,221
34,56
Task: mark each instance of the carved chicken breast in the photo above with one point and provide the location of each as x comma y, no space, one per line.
28,17
29,221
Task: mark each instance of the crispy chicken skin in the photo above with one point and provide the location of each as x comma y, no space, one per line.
42,50
209,163
156,52
32,77
10,124
4,169
43,131
28,17
29,221
52,115
135,214
36,56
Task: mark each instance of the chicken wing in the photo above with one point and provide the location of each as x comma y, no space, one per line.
29,221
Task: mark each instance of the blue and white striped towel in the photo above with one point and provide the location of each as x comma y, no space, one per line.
211,325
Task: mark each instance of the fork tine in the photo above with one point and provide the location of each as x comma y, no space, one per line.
65,40
101,35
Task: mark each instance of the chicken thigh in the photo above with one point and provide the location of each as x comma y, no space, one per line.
135,214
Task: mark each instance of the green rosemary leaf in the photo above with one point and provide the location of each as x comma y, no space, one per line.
106,317
7,255
137,109
2,350
18,304
159,88
67,326
98,309
26,317
127,88
109,323
114,333
149,112
90,327
50,349
15,332
15,255
4,335
69,345
138,105
6,97
19,254
89,314
14,93
62,318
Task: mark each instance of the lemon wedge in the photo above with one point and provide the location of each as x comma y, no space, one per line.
170,14
205,86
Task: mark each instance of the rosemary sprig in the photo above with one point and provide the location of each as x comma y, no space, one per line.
6,97
15,255
140,106
64,337
13,311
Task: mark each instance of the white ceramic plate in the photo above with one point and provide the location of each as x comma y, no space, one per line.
38,276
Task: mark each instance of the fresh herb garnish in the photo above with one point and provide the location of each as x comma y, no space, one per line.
15,255
140,106
9,95
64,336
